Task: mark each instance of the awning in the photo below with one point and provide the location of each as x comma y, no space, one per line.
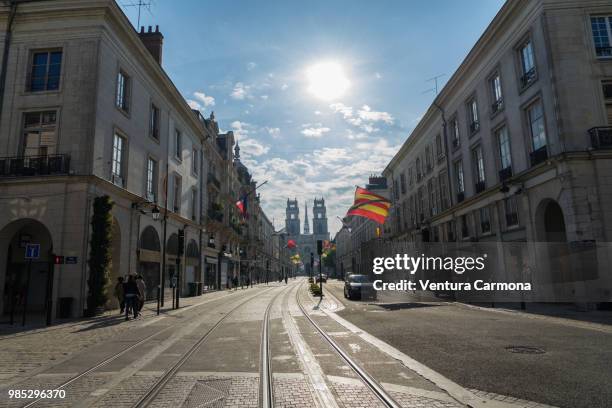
211,260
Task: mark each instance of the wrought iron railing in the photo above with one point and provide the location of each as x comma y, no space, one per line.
505,174
601,137
26,166
528,77
480,187
538,156
212,179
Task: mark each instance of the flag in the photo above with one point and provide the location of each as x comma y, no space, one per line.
291,244
242,205
370,205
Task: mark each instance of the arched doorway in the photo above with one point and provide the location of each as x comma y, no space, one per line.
13,240
149,258
192,269
550,230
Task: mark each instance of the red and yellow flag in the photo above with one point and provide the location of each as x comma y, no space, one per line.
370,205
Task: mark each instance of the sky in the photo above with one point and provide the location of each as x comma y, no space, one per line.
320,94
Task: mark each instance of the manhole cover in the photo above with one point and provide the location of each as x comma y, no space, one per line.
525,350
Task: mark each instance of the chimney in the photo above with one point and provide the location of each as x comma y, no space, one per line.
153,40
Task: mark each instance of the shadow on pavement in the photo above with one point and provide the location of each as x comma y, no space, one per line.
408,305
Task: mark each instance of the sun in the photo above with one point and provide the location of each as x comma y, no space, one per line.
327,81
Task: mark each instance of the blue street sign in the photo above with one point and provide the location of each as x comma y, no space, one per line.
71,260
32,251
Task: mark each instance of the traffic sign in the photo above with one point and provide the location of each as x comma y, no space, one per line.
32,251
71,260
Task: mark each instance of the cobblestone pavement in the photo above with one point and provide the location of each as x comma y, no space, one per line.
224,370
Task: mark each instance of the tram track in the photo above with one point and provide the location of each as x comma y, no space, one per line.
381,394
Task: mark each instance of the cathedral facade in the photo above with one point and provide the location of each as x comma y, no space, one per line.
306,240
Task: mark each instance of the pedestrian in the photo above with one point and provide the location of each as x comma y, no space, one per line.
142,289
119,293
131,297
285,279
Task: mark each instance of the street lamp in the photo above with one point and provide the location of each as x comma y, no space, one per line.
155,213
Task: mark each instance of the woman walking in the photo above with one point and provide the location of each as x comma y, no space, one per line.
131,297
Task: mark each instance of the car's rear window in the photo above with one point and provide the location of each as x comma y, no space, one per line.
358,278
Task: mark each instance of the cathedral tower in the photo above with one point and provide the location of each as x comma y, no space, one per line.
319,222
292,220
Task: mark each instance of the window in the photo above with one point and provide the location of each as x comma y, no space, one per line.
422,199
45,71
194,203
40,133
478,161
439,148
178,148
194,161
419,172
511,209
443,190
432,197
485,220
154,122
459,176
607,92
429,158
123,92
455,132
403,183
118,160
396,191
602,32
503,143
527,59
496,93
473,116
465,229
535,115
151,190
177,191
451,230
410,181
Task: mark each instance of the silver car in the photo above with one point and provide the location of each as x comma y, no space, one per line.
359,287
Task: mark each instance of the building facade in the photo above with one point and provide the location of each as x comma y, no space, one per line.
516,147
88,111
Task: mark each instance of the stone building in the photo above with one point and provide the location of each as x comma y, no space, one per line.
516,147
87,110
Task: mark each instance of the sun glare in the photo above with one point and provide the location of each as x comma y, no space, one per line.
326,80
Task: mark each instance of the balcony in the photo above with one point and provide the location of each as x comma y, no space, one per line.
212,179
603,51
27,166
601,137
528,78
456,143
480,187
505,174
538,156
460,197
474,127
215,213
497,106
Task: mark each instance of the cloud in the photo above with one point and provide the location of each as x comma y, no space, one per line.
264,97
364,117
377,75
240,129
240,91
284,87
367,114
194,104
252,147
251,66
317,112
206,100
274,132
315,132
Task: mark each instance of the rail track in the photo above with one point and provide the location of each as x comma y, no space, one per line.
133,346
377,389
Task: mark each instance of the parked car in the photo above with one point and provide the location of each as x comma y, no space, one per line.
359,287
322,277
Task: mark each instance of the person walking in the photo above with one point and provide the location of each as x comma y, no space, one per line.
131,297
285,279
119,293
142,289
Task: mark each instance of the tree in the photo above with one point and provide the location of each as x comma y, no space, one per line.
100,256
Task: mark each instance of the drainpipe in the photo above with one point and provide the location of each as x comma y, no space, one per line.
7,43
448,163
